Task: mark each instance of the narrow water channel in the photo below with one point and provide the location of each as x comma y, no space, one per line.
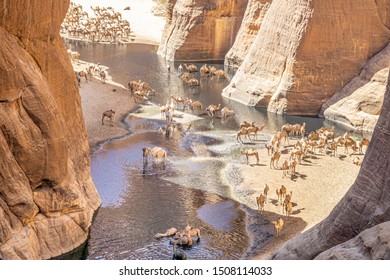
139,200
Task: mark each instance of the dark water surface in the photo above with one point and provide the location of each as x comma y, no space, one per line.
138,200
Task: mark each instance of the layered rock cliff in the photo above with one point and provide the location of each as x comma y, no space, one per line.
366,206
306,51
201,30
47,197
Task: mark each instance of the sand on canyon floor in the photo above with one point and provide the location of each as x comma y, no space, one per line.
321,179
320,182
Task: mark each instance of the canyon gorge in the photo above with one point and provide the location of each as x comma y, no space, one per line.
300,57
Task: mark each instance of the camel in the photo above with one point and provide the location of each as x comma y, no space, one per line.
250,152
265,192
213,70
254,129
192,82
204,70
157,153
313,136
285,167
260,203
288,208
103,76
212,109
364,142
296,129
333,148
191,68
221,74
145,86
287,199
278,226
178,100
275,158
303,130
110,114
293,165
169,232
180,68
82,74
282,192
179,254
283,135
185,76
193,231
226,112
183,239
296,154
194,105
349,142
287,127
243,131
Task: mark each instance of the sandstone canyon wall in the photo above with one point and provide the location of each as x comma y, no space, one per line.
305,51
47,197
358,227
201,30
250,26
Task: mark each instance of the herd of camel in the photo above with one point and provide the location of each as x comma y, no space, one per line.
105,26
316,141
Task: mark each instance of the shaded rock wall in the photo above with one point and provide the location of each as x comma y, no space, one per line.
201,30
365,205
359,103
307,50
47,197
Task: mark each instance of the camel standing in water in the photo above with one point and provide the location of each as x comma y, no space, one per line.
156,152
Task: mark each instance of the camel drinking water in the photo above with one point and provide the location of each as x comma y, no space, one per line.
157,153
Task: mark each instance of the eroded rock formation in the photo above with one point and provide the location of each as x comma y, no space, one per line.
365,206
201,30
47,197
250,26
306,51
359,103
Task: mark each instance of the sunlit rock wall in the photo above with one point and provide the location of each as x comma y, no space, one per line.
47,197
307,50
201,30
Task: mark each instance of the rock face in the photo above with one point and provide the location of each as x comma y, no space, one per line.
359,103
247,33
47,197
201,30
365,205
371,244
306,51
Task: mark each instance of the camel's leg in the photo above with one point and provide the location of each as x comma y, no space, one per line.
102,119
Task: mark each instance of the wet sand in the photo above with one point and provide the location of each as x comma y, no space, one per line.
97,97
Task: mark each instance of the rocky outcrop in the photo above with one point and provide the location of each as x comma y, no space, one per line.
365,205
306,51
371,244
359,103
247,33
47,197
200,30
